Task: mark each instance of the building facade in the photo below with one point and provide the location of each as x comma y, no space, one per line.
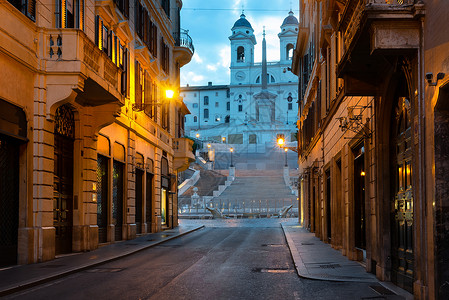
235,111
90,144
373,128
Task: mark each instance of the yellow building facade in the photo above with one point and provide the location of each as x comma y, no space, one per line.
90,140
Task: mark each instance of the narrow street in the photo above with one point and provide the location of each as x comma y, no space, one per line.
228,259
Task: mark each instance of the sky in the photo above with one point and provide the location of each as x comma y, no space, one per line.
209,24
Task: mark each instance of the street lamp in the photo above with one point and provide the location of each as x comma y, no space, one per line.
197,135
208,146
169,94
280,142
286,150
223,139
232,150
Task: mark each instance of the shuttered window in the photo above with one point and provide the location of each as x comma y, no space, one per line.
69,13
26,7
138,84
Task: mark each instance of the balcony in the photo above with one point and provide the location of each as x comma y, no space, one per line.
78,64
372,29
183,153
184,49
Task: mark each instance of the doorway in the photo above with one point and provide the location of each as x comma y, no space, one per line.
117,199
139,200
359,198
9,200
102,197
63,179
402,255
149,201
328,206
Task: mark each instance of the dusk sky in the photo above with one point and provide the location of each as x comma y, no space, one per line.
209,24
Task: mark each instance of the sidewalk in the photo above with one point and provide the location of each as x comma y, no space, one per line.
21,277
317,260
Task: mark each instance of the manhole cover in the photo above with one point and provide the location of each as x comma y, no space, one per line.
307,244
150,240
104,270
165,235
330,266
272,270
272,245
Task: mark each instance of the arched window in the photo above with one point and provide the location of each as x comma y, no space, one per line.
258,79
195,119
272,80
240,54
206,100
206,113
289,50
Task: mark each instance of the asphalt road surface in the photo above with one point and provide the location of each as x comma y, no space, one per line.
241,259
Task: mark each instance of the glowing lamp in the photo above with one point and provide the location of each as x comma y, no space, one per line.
169,94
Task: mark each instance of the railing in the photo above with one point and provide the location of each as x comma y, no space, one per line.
391,2
238,208
183,39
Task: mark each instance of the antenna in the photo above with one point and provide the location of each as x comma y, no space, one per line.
291,6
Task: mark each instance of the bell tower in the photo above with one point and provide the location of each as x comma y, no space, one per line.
287,37
242,50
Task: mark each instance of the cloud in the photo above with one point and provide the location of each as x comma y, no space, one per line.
211,67
196,58
225,56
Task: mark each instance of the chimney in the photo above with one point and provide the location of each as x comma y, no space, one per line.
209,83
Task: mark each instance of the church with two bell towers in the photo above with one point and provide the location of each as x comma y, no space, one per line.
259,103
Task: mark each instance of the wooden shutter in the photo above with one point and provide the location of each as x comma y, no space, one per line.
81,16
126,8
99,32
154,97
31,9
138,88
63,14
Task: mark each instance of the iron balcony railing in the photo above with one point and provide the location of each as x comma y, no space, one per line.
183,39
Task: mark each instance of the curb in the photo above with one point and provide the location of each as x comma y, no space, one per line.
61,274
302,271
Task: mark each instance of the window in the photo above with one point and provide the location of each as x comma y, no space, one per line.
272,79
166,7
228,105
206,113
194,94
206,100
240,107
228,93
227,119
216,94
27,7
240,54
68,13
195,119
217,104
252,139
138,84
195,105
165,57
123,7
258,79
290,106
289,50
